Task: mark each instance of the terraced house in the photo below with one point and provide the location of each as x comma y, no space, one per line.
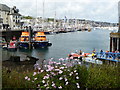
9,18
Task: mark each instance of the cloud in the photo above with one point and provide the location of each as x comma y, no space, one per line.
100,10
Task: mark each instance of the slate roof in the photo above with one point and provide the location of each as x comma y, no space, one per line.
4,7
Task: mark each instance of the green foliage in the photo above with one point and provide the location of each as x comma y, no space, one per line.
27,17
104,76
97,76
50,19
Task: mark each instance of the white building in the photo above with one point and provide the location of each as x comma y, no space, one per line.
4,17
9,17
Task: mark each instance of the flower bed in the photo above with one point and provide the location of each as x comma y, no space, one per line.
61,75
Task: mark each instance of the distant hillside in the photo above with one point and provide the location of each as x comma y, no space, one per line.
27,17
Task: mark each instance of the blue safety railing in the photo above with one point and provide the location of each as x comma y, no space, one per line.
108,56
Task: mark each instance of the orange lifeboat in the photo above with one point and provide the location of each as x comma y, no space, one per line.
40,36
40,40
24,40
24,36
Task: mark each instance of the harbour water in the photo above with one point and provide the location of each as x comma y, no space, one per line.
65,43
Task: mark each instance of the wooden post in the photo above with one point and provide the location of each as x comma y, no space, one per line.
30,37
113,44
119,16
111,41
119,45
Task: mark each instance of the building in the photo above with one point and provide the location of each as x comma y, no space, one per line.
14,18
115,37
9,17
4,17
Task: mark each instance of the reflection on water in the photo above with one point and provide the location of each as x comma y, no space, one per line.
65,43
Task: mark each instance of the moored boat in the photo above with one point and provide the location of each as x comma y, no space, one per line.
24,40
40,40
2,42
12,46
77,56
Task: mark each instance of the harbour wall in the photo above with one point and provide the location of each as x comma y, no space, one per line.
9,34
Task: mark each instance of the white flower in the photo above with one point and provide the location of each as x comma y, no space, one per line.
77,77
70,74
53,84
60,72
34,73
46,77
67,58
26,77
56,66
35,78
46,88
65,66
45,85
53,73
79,62
60,87
38,85
65,79
61,67
43,81
41,71
60,78
76,73
57,69
58,63
66,83
39,68
45,65
78,86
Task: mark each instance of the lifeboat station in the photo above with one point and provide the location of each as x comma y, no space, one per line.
115,37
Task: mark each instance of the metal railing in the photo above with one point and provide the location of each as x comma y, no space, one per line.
108,56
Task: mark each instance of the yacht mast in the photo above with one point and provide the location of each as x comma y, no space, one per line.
55,21
43,16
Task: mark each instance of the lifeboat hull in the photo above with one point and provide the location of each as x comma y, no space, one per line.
43,44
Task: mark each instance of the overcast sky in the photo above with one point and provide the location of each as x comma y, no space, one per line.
97,10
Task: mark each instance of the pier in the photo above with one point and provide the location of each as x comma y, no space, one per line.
108,57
